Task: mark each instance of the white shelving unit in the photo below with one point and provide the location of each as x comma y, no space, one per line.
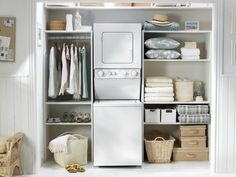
193,69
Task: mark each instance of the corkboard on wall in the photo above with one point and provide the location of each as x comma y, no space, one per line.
7,38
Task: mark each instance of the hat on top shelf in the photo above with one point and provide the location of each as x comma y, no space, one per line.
160,22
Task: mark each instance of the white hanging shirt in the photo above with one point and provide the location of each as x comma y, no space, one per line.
64,75
73,86
77,94
52,85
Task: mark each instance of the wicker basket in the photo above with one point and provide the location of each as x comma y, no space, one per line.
57,25
159,150
184,90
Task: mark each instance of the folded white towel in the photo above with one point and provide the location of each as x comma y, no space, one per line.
169,99
158,79
158,94
190,57
190,52
59,144
157,84
159,89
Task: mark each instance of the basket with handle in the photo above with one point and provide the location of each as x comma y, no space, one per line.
159,150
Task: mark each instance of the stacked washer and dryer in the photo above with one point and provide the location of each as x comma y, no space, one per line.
118,112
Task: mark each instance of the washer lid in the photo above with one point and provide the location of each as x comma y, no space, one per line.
120,103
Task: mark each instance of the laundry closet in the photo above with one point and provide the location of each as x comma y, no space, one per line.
109,101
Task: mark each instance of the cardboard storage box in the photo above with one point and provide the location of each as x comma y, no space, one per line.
193,142
193,131
153,115
190,154
168,115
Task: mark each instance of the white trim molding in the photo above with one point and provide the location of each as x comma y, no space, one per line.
233,21
233,51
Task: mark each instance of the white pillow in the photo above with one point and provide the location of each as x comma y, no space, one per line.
161,43
3,147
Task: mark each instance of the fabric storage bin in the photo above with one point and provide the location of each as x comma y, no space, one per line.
153,115
193,109
193,131
183,90
159,150
193,142
77,152
168,115
188,154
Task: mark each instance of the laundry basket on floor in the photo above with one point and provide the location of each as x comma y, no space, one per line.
159,150
77,152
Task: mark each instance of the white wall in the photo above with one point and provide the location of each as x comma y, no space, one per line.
16,91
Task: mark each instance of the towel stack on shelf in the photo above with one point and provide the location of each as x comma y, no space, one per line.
159,89
193,113
190,51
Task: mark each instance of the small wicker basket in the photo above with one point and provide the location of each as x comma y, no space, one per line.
159,150
57,25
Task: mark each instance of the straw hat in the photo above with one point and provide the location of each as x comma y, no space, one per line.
160,19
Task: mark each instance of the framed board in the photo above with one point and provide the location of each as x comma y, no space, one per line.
7,39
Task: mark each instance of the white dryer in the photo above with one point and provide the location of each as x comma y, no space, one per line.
117,61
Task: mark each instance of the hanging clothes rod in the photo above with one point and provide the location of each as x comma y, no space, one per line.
69,37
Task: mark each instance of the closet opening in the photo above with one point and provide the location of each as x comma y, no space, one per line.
66,86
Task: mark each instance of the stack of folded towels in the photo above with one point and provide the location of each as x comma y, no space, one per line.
190,51
159,89
193,113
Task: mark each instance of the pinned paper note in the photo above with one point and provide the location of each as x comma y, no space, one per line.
7,38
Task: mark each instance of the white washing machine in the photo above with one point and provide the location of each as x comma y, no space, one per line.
118,137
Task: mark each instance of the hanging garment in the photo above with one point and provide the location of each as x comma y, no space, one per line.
68,65
80,73
59,67
52,85
84,70
64,75
73,83
77,94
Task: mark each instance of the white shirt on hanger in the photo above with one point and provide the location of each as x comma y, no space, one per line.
64,75
73,85
52,85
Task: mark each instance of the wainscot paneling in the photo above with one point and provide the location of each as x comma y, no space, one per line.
226,135
15,114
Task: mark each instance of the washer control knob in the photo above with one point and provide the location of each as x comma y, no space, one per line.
100,73
114,73
134,73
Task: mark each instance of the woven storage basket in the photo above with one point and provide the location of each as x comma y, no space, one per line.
184,90
57,25
159,150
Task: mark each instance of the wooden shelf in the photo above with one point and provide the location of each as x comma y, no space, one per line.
175,123
180,32
69,123
176,60
179,102
69,102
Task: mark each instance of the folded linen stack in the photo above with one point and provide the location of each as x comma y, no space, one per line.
190,51
193,113
159,89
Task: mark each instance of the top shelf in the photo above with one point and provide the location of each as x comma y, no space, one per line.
126,8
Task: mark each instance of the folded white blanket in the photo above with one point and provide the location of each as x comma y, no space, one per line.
170,99
159,89
157,84
190,57
59,144
158,79
159,95
190,52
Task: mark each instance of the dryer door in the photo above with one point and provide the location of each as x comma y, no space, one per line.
117,45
